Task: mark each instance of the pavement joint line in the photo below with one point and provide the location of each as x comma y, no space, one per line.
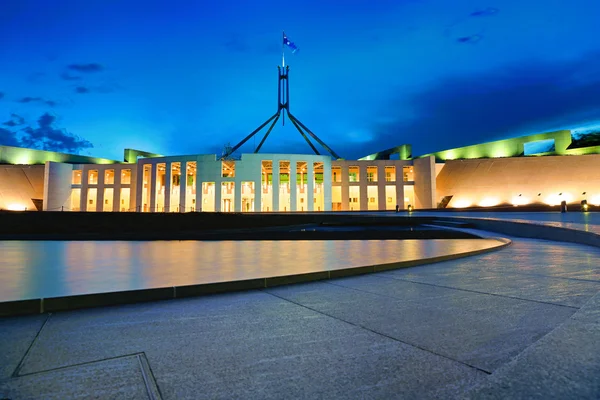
78,365
381,334
558,277
387,276
152,375
363,291
16,373
143,363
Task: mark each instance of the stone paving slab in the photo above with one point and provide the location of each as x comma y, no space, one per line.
16,335
557,273
249,345
565,364
119,378
477,329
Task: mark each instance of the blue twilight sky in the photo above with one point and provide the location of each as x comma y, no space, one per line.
187,77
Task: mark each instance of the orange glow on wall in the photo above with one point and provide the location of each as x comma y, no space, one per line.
520,200
556,198
16,207
489,202
461,203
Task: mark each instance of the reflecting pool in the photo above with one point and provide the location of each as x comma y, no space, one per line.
42,269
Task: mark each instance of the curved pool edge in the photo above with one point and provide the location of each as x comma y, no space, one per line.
81,301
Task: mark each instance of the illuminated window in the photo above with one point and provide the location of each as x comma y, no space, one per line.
390,174
109,177
408,174
126,177
93,177
228,169
371,174
353,174
336,174
76,178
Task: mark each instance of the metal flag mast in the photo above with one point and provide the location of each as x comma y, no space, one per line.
283,107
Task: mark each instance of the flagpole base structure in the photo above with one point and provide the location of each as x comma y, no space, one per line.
283,107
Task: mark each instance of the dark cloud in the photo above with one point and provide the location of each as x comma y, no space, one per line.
531,97
8,138
47,137
15,120
86,68
30,99
472,39
68,77
95,89
39,100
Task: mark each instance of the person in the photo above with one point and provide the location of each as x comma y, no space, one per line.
397,208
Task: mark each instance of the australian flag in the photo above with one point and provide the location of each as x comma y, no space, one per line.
287,42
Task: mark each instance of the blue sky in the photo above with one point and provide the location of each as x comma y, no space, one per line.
187,77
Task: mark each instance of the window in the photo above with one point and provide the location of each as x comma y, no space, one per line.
336,174
126,177
93,177
76,179
228,169
353,174
408,174
109,177
390,174
371,174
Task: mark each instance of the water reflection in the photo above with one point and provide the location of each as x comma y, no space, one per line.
53,268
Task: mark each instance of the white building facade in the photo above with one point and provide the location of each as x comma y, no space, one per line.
254,183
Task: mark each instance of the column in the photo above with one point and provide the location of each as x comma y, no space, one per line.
310,185
153,170
345,188
218,188
293,186
275,185
237,194
84,189
400,190
257,195
362,179
381,198
168,187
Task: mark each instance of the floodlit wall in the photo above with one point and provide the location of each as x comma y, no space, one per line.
20,155
20,185
57,186
508,148
519,181
425,182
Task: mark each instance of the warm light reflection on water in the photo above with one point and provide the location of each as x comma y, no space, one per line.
38,269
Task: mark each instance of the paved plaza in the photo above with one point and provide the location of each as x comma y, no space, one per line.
519,322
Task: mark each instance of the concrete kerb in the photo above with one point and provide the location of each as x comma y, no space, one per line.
531,230
65,303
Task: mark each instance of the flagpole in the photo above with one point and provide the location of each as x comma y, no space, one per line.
283,50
